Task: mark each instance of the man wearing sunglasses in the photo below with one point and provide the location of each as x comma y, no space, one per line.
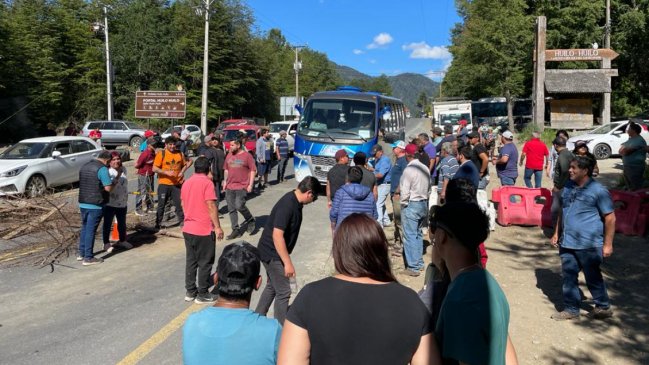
278,241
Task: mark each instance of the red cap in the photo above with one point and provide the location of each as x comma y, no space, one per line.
148,133
411,149
340,154
462,122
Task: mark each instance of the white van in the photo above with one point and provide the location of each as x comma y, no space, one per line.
290,126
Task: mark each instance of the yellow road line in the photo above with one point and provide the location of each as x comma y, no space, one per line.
19,253
159,337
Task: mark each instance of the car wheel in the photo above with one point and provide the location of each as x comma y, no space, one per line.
36,186
135,142
602,151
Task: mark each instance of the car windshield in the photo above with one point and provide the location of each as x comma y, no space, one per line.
133,126
276,128
231,135
171,129
24,151
453,119
605,128
339,118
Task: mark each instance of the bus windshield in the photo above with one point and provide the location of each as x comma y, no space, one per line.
339,118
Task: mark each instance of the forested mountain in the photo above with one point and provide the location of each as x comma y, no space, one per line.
407,86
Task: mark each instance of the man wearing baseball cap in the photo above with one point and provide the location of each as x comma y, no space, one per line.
399,152
229,332
415,189
337,175
382,167
506,160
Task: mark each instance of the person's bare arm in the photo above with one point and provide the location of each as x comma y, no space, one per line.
510,353
520,163
282,251
251,180
295,346
375,191
555,236
485,162
427,352
609,233
442,195
214,217
328,189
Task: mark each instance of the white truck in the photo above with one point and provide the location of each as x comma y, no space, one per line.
450,112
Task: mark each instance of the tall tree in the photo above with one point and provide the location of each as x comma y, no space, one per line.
491,51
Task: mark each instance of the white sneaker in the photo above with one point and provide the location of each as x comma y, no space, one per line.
125,244
108,248
79,258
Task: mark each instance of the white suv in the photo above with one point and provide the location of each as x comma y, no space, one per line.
289,126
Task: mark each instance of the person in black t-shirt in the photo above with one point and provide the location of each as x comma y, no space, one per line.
278,241
369,180
362,315
337,175
480,158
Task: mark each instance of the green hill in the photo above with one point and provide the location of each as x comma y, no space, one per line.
406,86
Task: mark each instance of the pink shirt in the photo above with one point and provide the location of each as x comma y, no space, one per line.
238,167
195,194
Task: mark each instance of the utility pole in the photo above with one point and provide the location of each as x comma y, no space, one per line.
205,8
606,63
297,66
109,69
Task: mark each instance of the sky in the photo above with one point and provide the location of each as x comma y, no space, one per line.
374,37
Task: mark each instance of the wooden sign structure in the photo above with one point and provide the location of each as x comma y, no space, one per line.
576,81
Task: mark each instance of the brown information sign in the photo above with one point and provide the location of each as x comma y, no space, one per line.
586,54
160,104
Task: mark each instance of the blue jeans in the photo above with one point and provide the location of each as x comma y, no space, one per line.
413,218
586,260
507,181
538,174
90,219
384,192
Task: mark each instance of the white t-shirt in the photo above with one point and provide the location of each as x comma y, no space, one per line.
119,193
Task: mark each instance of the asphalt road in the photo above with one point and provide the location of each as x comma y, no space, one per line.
130,309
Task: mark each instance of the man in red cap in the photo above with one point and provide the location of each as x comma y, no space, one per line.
415,188
337,175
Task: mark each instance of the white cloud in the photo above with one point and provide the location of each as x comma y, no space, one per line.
358,51
372,61
423,50
382,39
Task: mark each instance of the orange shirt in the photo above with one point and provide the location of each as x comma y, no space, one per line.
172,161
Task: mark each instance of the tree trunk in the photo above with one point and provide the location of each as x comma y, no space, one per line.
510,110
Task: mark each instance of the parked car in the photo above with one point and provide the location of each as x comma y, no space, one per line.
289,126
33,165
195,133
230,134
230,122
605,141
116,132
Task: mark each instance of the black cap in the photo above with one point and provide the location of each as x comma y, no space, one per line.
238,268
376,148
473,134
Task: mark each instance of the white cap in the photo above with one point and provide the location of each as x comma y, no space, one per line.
184,134
508,135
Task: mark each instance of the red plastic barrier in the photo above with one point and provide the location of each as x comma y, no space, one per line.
631,211
523,206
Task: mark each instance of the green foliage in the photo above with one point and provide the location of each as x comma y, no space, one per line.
53,63
547,136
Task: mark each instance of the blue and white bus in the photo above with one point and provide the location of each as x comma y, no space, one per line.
348,119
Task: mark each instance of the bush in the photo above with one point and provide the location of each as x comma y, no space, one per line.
526,134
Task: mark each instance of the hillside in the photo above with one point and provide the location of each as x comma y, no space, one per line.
406,87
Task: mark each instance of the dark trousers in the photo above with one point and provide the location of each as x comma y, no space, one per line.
589,261
145,188
166,192
236,200
199,259
109,214
277,288
555,209
281,168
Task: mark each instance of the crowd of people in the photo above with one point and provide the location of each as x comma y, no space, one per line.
434,184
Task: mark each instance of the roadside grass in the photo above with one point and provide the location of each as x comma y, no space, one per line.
526,134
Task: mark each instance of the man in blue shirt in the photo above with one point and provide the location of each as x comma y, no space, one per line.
229,332
281,148
382,167
467,169
94,185
506,161
588,223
